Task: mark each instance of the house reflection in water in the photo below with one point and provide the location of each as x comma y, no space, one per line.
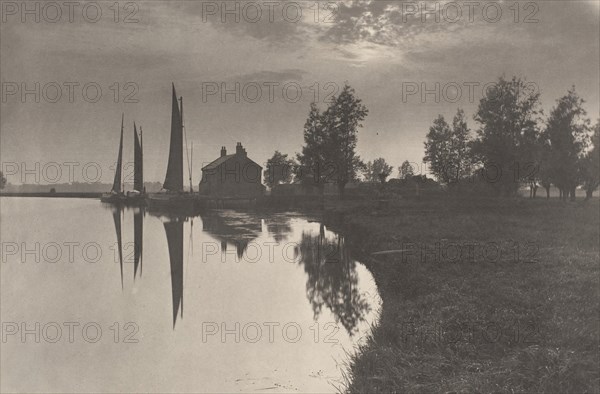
231,227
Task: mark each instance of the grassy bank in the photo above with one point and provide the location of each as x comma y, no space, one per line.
525,320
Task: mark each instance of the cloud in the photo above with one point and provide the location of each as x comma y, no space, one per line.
270,76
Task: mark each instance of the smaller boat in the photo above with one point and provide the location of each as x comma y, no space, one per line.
116,195
137,196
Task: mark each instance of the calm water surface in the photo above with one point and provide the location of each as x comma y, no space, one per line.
226,302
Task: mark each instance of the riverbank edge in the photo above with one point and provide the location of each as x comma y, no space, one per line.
369,368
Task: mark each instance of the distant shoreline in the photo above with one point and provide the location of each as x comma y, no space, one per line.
56,194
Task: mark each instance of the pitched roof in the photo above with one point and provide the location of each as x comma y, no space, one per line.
216,163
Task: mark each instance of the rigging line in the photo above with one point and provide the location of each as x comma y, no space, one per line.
186,144
187,155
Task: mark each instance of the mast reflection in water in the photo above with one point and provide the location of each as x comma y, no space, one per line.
116,212
138,240
174,231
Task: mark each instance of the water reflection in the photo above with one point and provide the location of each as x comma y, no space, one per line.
116,212
332,279
279,227
174,231
138,240
138,237
237,229
224,292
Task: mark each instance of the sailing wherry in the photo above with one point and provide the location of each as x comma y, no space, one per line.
116,195
174,197
138,195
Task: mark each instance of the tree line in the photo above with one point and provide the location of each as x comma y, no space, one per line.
513,145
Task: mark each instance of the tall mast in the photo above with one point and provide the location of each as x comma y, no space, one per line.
191,166
117,182
186,147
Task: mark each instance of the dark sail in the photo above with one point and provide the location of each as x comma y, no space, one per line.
138,162
117,220
138,239
174,230
117,182
174,177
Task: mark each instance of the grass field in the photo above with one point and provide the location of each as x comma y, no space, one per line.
517,311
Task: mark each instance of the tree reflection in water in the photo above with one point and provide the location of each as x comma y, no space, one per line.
332,279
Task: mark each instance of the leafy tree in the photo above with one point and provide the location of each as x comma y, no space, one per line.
447,149
279,169
2,180
567,134
590,165
437,149
330,140
368,172
460,146
381,169
508,115
342,120
312,158
406,170
377,171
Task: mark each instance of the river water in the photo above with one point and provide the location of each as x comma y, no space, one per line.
225,302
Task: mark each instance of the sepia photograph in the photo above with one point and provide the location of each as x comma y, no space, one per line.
311,196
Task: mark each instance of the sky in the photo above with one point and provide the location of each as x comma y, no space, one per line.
281,56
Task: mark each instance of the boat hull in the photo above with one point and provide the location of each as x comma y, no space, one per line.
112,198
185,203
135,199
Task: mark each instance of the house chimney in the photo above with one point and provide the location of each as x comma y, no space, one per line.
223,151
239,149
